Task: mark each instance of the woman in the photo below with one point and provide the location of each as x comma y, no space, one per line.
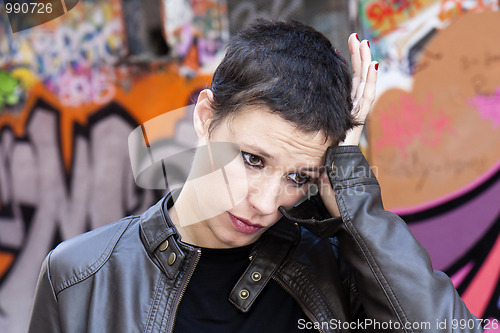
240,254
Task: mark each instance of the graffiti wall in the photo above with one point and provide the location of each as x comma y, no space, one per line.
70,96
435,136
68,101
197,31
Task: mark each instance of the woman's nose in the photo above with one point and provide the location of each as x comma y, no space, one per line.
263,194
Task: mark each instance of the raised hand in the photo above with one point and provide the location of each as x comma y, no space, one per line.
364,80
363,94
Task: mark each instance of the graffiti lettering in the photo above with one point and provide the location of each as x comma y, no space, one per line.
424,169
96,86
470,62
451,9
99,189
384,16
75,61
196,31
411,120
82,46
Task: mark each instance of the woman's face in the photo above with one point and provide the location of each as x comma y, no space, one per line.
279,165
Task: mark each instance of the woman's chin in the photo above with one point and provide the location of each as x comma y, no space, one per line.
241,241
237,239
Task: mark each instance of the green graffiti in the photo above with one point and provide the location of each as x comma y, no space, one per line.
10,90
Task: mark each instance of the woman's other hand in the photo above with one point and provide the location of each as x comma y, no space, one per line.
364,79
363,94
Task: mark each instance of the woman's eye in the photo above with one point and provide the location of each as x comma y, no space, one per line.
252,160
299,179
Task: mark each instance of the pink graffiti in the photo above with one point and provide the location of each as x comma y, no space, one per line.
459,276
79,87
488,107
408,120
482,287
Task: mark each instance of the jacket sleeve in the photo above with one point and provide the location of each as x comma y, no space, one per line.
396,283
44,313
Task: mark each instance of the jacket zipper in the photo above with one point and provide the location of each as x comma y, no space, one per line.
308,313
184,287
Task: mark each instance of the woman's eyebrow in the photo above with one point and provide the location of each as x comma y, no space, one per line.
257,151
312,169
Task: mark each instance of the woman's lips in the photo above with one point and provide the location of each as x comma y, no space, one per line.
244,226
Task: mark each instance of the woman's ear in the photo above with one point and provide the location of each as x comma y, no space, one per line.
203,113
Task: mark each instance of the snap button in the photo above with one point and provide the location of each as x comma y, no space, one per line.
333,168
256,276
171,258
244,294
164,245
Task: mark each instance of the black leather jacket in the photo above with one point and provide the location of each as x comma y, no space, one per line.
348,274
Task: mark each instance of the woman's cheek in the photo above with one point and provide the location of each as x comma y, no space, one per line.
292,194
237,181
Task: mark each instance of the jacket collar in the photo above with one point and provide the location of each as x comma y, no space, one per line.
160,237
313,215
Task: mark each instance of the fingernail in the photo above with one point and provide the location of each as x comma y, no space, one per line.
376,66
337,51
368,42
357,37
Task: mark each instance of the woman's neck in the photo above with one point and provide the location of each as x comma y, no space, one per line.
190,221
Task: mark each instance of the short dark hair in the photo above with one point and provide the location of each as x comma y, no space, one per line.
292,69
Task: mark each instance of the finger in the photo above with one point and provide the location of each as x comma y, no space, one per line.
366,59
368,96
328,195
371,83
364,106
353,43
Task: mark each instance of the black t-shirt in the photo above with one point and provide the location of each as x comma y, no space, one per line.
205,306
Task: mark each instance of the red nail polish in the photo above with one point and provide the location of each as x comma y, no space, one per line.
376,66
357,37
337,51
368,42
